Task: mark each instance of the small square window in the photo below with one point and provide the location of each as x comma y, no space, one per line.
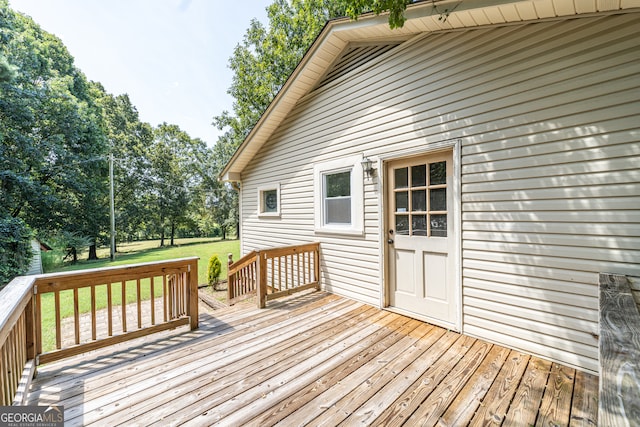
269,200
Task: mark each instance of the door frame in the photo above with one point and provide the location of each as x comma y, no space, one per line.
383,160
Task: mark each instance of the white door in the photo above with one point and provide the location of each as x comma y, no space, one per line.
420,238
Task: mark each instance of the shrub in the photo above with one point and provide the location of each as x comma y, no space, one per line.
214,269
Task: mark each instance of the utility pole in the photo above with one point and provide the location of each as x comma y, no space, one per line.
112,210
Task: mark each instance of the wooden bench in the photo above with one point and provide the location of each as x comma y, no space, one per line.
619,347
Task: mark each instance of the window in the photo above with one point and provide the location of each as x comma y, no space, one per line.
339,196
269,201
420,193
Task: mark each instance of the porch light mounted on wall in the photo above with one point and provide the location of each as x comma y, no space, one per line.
367,167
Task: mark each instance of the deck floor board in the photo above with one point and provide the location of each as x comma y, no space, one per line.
314,359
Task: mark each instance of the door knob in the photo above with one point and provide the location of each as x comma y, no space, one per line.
390,241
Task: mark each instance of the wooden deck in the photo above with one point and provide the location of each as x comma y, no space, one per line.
314,359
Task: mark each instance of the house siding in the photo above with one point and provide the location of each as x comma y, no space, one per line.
35,267
547,114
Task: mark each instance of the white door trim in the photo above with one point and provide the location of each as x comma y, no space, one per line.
383,159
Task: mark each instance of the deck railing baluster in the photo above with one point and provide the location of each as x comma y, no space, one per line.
93,312
257,271
123,303
152,299
56,299
138,304
109,311
76,316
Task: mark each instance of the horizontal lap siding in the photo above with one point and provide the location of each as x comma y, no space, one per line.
550,197
548,117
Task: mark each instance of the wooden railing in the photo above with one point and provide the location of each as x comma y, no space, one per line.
242,278
17,340
619,348
273,273
138,300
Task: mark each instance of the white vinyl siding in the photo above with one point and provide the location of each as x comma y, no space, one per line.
548,116
35,267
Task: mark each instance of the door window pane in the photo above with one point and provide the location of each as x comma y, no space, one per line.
438,173
438,225
401,177
402,224
419,176
438,199
419,201
402,201
419,225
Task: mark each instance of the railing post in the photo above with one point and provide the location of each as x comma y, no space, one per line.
261,286
230,279
37,319
316,267
30,343
193,294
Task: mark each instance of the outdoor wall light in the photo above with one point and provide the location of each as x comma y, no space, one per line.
367,167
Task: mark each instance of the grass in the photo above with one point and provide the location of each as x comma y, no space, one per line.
150,250
133,253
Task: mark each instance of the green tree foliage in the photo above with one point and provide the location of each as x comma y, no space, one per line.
265,58
396,8
172,157
15,248
51,175
128,139
7,71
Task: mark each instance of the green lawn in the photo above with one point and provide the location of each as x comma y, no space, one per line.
150,250
134,253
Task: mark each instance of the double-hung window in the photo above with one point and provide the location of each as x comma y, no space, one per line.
339,196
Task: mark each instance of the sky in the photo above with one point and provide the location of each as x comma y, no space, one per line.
170,56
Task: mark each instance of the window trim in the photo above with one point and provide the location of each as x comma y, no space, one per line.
352,164
261,191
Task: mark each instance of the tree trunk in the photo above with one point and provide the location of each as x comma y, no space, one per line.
173,230
162,237
92,252
74,254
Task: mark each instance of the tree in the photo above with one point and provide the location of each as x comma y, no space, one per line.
128,140
50,131
172,176
265,58
15,248
7,71
396,8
